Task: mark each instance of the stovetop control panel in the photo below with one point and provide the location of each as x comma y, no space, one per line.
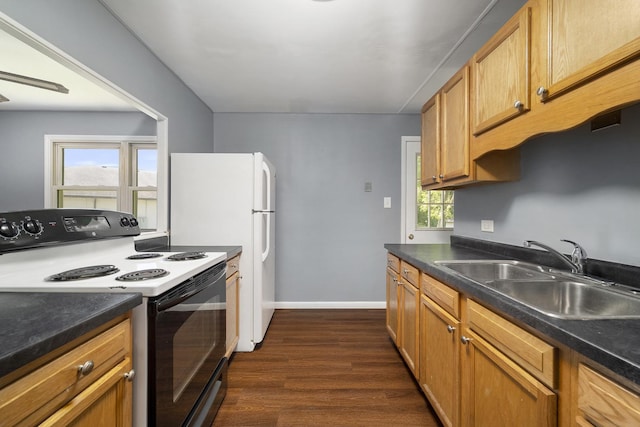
31,229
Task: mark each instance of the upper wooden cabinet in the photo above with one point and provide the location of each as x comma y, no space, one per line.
445,133
501,74
583,61
445,150
430,142
585,39
454,152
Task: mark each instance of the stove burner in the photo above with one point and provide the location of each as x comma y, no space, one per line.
83,273
145,255
135,276
184,256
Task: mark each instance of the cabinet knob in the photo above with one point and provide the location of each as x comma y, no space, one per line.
450,329
441,176
542,91
518,105
434,178
129,375
85,368
465,340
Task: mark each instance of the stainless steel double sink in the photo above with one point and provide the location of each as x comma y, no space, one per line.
555,293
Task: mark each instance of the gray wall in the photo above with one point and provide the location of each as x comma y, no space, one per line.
89,33
577,185
22,141
329,232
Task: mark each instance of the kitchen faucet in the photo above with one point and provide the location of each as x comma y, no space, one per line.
578,261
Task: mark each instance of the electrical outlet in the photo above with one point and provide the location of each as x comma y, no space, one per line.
387,202
486,225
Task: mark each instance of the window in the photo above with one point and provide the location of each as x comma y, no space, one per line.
111,175
434,207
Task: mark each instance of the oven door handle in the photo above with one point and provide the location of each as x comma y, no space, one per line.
172,300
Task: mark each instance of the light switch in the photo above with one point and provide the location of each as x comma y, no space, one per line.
486,225
387,202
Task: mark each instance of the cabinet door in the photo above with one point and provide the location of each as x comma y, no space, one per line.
604,402
107,402
501,88
232,313
497,392
439,360
589,38
430,142
409,319
455,127
392,304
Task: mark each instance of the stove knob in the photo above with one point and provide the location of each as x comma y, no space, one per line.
32,226
124,222
133,221
9,230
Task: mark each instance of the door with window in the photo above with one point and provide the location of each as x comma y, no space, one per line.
427,215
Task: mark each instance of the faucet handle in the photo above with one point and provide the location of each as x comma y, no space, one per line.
577,249
579,254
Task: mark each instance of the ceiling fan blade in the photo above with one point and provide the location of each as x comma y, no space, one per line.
3,98
31,81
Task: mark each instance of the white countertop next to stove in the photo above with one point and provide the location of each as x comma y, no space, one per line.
26,271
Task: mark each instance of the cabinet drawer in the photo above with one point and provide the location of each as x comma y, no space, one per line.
34,396
534,355
603,402
446,297
393,262
233,265
410,273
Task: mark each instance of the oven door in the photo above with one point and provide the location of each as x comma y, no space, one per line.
186,350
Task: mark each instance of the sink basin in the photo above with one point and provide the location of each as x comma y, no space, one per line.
488,270
569,299
556,294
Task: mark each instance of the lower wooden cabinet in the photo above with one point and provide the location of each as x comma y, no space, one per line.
440,360
498,392
392,304
233,300
409,321
86,383
603,402
101,404
478,368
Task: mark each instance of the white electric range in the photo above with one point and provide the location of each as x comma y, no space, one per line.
78,250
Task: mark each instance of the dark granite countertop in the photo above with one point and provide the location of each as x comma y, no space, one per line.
613,343
36,323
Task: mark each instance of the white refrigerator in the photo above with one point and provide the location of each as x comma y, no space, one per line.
221,199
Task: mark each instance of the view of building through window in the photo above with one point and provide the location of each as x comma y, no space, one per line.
114,176
434,207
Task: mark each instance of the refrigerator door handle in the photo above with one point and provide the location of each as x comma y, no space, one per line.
267,248
267,174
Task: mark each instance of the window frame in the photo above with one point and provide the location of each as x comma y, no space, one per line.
127,146
429,204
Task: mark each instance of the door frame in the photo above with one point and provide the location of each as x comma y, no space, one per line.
436,235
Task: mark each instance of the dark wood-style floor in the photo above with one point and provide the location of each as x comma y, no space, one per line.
324,368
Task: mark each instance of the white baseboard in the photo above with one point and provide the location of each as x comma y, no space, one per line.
331,304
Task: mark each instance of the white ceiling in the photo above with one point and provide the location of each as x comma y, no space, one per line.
312,56
20,58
